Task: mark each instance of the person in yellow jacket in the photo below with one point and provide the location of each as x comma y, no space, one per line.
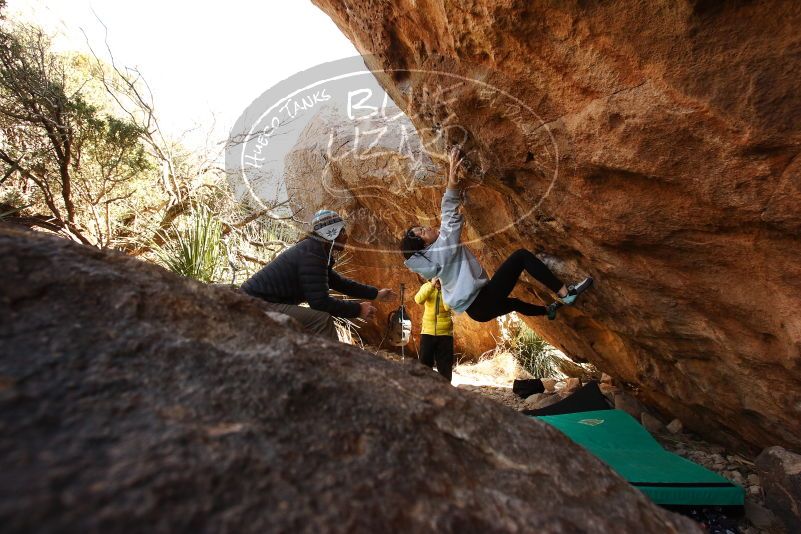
436,339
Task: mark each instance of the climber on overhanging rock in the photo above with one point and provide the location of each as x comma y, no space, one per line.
305,272
432,252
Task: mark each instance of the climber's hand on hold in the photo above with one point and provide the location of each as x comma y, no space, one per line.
367,312
386,295
455,160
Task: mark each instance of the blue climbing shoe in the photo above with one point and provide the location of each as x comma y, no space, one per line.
551,308
574,290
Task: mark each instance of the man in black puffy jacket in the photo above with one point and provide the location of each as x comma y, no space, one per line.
305,273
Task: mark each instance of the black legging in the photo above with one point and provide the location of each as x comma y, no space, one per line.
493,300
437,349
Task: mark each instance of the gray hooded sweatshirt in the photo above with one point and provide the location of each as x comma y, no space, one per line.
461,275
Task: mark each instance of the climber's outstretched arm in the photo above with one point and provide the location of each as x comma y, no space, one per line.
451,220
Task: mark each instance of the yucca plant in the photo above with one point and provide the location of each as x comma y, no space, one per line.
533,353
195,249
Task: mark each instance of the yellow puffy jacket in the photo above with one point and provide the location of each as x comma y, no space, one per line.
435,323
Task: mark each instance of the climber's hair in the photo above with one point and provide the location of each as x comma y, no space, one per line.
411,244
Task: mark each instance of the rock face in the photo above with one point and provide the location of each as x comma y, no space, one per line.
654,146
377,187
132,400
780,475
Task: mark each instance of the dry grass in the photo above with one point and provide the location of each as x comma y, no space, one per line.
498,368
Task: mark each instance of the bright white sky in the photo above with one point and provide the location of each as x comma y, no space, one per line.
199,57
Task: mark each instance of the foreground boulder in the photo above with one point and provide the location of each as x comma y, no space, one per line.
133,400
652,146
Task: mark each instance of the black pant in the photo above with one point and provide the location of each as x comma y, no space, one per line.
493,300
439,349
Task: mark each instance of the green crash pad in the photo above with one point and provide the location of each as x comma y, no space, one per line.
668,479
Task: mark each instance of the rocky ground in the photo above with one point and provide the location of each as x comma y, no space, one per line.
737,468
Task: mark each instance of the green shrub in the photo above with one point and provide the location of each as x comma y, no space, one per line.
194,249
533,353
